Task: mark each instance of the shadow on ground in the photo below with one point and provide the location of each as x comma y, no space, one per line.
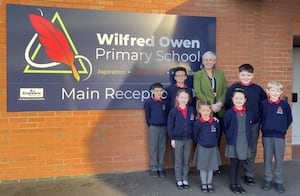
142,184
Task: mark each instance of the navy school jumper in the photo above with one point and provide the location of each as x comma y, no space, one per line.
156,112
178,127
255,95
276,118
231,126
206,133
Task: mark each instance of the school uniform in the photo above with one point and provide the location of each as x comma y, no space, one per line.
238,125
276,119
156,112
180,127
206,134
171,98
213,90
255,94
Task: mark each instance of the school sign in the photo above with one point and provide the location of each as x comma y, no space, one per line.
72,59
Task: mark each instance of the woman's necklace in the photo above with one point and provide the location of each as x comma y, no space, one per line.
209,73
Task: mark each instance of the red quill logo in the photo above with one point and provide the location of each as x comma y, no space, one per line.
55,43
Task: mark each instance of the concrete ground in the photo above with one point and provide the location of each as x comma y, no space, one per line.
142,184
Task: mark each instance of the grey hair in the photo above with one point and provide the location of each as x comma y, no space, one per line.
209,54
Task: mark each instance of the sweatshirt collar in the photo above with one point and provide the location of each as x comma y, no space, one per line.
240,83
239,111
274,102
210,120
184,86
183,111
157,100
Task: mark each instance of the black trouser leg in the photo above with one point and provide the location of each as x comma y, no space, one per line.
239,172
233,171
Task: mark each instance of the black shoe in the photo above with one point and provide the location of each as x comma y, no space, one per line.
249,181
204,188
267,185
279,188
234,189
218,172
241,189
162,174
179,185
154,174
210,188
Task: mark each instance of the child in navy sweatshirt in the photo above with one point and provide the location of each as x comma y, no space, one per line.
276,118
206,133
237,122
180,76
255,94
180,127
156,113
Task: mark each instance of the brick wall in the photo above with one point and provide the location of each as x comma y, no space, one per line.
63,143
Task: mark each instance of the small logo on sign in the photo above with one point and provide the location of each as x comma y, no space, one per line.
31,94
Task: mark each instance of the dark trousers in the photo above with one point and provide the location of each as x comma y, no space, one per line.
235,171
249,163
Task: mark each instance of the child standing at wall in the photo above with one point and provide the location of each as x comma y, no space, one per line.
210,85
206,133
156,112
255,94
180,127
237,122
276,118
180,76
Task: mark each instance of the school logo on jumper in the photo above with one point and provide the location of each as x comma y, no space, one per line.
192,117
213,128
58,47
279,110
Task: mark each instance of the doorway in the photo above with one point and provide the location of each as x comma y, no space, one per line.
295,99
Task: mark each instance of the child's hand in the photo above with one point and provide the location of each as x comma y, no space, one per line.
173,143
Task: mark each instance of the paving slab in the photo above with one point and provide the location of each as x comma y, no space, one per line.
142,184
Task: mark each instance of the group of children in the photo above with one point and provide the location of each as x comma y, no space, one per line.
248,110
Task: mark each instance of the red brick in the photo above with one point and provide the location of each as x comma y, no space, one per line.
60,143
